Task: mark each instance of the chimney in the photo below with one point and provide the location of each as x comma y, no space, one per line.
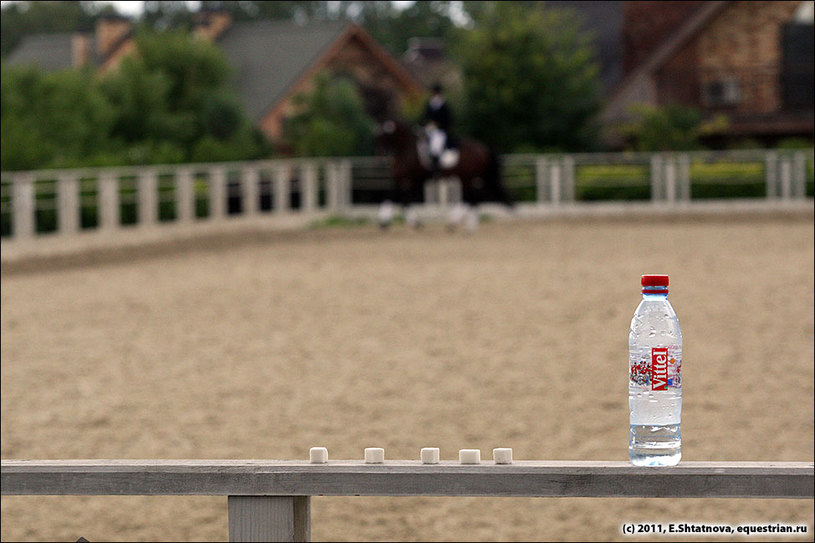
110,29
80,50
211,23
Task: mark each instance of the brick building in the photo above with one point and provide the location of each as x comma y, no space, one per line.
751,61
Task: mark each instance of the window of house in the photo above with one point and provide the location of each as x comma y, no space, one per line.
797,87
722,92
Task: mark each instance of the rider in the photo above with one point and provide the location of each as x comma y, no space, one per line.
437,119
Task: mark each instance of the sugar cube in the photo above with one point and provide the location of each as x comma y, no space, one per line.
374,455
318,455
502,456
430,455
469,456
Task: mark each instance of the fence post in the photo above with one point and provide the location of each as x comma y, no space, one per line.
786,177
554,181
308,187
568,178
684,178
108,201
282,188
541,178
251,191
670,179
269,518
431,192
68,194
148,199
217,193
345,185
184,195
799,176
23,206
770,174
332,182
656,177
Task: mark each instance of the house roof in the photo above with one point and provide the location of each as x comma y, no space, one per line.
50,52
269,56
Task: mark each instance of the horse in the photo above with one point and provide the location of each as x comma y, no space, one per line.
476,165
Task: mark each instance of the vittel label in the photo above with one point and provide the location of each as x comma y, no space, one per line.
659,368
656,368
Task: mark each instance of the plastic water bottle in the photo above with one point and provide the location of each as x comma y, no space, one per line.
654,378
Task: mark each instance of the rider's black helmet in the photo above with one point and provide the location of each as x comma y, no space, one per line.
437,88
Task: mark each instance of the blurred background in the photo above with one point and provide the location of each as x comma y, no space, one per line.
243,80
636,137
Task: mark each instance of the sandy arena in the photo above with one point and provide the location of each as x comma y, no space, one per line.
264,345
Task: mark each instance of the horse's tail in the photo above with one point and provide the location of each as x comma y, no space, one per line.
493,179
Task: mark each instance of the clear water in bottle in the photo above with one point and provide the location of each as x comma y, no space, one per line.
655,384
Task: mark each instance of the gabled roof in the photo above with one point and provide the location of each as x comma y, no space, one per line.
271,57
50,52
268,56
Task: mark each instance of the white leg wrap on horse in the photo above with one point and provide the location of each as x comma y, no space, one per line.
471,221
457,214
412,217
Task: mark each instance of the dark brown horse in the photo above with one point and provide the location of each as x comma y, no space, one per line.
477,167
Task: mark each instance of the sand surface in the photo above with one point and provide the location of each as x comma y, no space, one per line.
264,345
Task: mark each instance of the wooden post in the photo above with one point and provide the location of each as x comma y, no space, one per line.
431,192
23,206
656,177
568,178
269,518
786,177
541,178
332,186
68,190
554,182
684,178
346,185
217,193
670,179
251,191
308,187
770,174
148,198
281,188
185,195
799,175
108,201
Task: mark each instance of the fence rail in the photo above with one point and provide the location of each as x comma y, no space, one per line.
68,202
270,500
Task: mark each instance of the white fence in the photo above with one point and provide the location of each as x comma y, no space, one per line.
67,202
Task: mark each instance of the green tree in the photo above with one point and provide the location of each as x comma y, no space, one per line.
530,79
331,120
174,99
54,119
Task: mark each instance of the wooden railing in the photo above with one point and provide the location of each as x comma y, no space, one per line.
67,202
270,500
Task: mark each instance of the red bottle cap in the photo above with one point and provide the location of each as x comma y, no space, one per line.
649,282
654,281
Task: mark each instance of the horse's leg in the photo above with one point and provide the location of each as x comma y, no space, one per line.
409,196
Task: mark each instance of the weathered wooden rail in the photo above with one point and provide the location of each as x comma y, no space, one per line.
270,500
